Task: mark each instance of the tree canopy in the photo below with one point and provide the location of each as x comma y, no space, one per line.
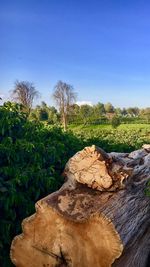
64,96
24,93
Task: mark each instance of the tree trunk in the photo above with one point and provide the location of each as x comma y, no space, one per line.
65,121
99,218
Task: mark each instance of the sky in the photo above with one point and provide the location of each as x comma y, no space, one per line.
101,47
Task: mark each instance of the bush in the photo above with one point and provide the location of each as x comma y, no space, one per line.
115,122
32,157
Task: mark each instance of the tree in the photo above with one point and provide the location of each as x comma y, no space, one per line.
115,122
43,114
99,109
133,111
145,113
64,97
124,112
43,104
24,93
74,114
53,116
86,113
118,111
109,108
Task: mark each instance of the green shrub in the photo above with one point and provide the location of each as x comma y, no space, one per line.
32,157
115,122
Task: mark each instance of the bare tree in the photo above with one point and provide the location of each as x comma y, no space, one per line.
24,92
64,97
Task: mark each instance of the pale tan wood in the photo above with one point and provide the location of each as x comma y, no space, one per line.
48,239
95,168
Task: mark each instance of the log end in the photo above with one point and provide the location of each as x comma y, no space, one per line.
49,239
97,169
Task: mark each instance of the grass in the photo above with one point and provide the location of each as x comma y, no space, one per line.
109,127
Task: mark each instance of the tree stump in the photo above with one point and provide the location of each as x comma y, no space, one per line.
99,218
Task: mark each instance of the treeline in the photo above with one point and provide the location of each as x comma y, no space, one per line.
68,112
86,114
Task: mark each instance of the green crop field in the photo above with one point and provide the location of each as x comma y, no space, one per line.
124,139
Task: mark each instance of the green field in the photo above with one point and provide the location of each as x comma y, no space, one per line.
125,138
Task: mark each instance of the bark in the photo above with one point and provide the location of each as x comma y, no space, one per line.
65,121
100,217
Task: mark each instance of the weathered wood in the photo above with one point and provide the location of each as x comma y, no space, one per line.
100,217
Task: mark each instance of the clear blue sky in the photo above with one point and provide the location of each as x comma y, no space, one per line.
101,47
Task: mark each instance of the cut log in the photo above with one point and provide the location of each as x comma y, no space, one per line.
99,218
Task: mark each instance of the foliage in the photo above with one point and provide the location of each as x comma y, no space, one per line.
109,108
100,114
32,157
133,111
45,113
87,114
145,113
125,138
115,122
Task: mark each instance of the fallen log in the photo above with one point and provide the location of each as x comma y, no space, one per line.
99,218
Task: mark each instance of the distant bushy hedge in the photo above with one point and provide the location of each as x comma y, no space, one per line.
32,157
